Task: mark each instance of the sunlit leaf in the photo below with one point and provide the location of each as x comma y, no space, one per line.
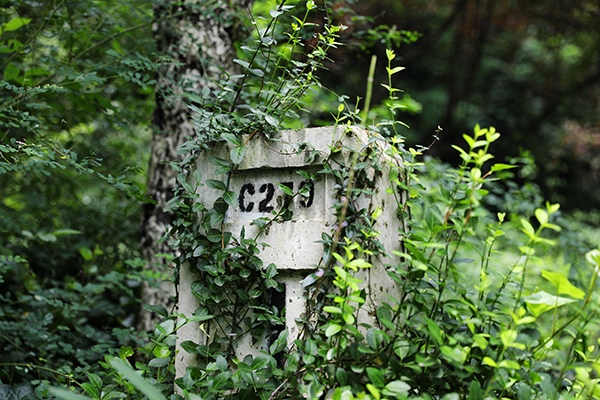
541,302
14,24
562,284
332,329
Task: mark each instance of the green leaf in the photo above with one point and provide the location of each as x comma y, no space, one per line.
67,394
214,235
224,166
46,237
376,377
86,253
392,71
123,367
332,329
541,302
470,141
14,24
397,389
221,363
10,46
256,71
374,391
501,167
285,189
509,339
230,198
342,376
91,390
11,71
243,63
460,150
215,184
237,154
160,310
159,362
528,229
562,285
541,215
124,352
480,340
65,232
451,396
199,250
528,251
182,179
509,364
271,271
274,122
189,346
593,257
434,331
166,327
524,391
488,361
455,354
280,343
161,351
475,392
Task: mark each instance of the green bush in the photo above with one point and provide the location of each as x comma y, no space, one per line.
73,128
487,309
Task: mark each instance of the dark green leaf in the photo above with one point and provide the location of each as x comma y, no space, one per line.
215,184
475,392
376,377
214,236
91,390
280,343
341,376
230,198
160,310
189,346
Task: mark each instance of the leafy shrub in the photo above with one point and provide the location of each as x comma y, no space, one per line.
478,317
71,125
486,311
471,323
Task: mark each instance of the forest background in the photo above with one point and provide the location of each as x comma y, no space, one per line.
77,95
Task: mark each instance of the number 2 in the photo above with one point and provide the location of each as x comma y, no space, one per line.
264,206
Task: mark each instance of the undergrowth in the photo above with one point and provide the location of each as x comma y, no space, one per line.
482,310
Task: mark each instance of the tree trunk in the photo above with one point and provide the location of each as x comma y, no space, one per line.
197,35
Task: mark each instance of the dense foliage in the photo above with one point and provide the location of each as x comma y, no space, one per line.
531,68
76,99
495,304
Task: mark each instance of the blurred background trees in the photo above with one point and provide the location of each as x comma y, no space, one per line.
529,68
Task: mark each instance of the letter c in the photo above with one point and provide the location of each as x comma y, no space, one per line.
247,188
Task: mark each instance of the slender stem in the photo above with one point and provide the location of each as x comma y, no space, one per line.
369,93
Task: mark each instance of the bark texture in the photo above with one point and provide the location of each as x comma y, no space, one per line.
198,35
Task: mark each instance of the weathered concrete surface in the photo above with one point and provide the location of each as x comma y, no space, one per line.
293,244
